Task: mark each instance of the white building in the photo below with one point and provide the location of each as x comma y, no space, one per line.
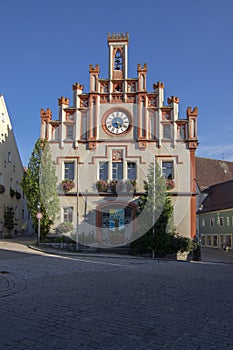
113,132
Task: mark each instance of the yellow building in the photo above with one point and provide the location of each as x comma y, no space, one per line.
104,141
11,172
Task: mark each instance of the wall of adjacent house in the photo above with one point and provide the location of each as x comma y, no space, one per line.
216,228
11,172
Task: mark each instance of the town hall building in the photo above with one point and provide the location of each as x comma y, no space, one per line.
103,142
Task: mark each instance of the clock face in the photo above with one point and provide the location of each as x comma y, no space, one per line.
117,122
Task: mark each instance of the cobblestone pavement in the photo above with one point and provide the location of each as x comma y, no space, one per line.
88,303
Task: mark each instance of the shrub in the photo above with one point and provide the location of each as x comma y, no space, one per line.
65,227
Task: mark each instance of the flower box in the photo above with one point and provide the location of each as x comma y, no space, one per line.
170,183
114,186
67,185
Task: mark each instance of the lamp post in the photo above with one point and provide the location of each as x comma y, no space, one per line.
77,203
39,216
153,214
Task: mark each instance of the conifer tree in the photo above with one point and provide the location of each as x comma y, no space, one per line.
156,210
39,184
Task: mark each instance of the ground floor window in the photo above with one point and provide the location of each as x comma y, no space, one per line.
68,214
208,240
203,240
217,240
228,240
116,218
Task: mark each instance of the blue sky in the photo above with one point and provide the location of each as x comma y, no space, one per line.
46,46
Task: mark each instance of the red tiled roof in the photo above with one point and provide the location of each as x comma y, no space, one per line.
210,172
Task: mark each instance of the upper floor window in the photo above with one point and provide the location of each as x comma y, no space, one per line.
9,157
221,221
181,132
117,170
167,131
167,170
84,126
211,222
69,171
70,132
203,222
103,171
56,133
70,116
131,171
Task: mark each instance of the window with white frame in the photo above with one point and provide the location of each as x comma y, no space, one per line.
103,170
69,170
70,132
117,170
221,221
167,170
211,222
68,214
203,222
131,171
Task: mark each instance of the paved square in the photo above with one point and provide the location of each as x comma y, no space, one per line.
87,303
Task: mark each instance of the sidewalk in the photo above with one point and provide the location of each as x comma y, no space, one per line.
216,255
207,254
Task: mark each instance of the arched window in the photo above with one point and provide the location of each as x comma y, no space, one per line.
118,61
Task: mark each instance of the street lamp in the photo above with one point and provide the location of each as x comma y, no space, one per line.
38,218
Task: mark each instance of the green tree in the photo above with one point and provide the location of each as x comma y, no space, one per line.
156,210
39,184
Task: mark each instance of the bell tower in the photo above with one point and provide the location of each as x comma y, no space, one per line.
118,56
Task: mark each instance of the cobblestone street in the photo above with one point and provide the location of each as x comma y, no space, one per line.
87,303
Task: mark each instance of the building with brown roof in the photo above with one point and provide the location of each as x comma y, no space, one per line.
216,216
210,172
